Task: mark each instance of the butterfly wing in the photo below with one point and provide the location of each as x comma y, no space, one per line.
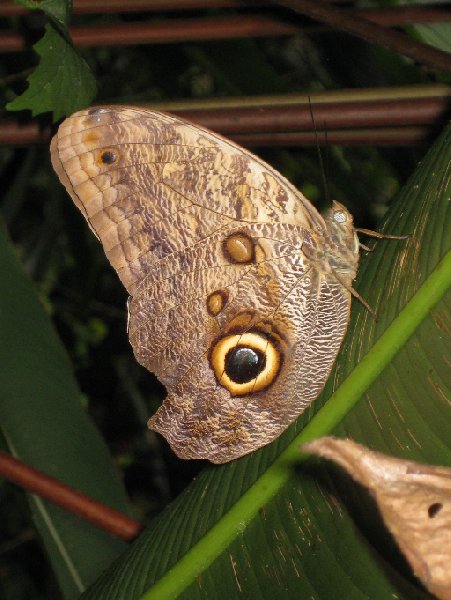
228,307
136,173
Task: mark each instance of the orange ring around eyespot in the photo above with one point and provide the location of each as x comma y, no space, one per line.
257,342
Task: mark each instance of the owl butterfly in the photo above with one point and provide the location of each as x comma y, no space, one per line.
240,290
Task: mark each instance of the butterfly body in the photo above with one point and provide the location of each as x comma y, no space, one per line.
239,287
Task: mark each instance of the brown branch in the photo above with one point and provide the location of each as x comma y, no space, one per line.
276,119
13,134
389,15
424,111
396,16
381,137
213,28
12,41
182,30
339,96
344,20
10,8
166,32
61,494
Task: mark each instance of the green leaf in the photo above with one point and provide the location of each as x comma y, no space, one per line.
433,34
269,525
62,82
44,424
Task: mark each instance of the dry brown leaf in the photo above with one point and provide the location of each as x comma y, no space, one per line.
414,500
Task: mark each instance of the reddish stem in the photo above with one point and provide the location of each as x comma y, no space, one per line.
61,494
215,28
381,137
328,116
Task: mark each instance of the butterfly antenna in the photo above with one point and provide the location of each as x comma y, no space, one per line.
320,156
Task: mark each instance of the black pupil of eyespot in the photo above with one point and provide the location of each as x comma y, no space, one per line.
108,157
242,364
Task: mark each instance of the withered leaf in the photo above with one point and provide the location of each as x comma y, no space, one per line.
414,500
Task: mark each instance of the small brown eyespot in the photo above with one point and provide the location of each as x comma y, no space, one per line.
216,302
239,248
108,157
245,363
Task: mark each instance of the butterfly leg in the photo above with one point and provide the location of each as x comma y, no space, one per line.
380,236
356,295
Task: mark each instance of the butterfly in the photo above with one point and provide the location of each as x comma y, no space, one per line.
240,290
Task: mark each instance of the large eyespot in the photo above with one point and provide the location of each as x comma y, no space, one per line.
245,363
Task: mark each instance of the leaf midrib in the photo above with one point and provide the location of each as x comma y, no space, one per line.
235,520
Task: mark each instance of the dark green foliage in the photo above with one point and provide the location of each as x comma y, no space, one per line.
61,83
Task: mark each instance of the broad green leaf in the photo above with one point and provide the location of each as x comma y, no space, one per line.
272,525
62,82
44,424
433,34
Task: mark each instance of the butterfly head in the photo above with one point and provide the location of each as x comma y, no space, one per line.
341,241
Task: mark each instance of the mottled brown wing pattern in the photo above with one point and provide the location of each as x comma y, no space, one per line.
236,305
210,423
132,171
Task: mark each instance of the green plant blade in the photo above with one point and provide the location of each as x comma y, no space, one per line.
43,421
262,527
62,83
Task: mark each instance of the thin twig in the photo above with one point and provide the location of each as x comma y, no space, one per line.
388,15
14,134
267,119
383,116
381,137
72,500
